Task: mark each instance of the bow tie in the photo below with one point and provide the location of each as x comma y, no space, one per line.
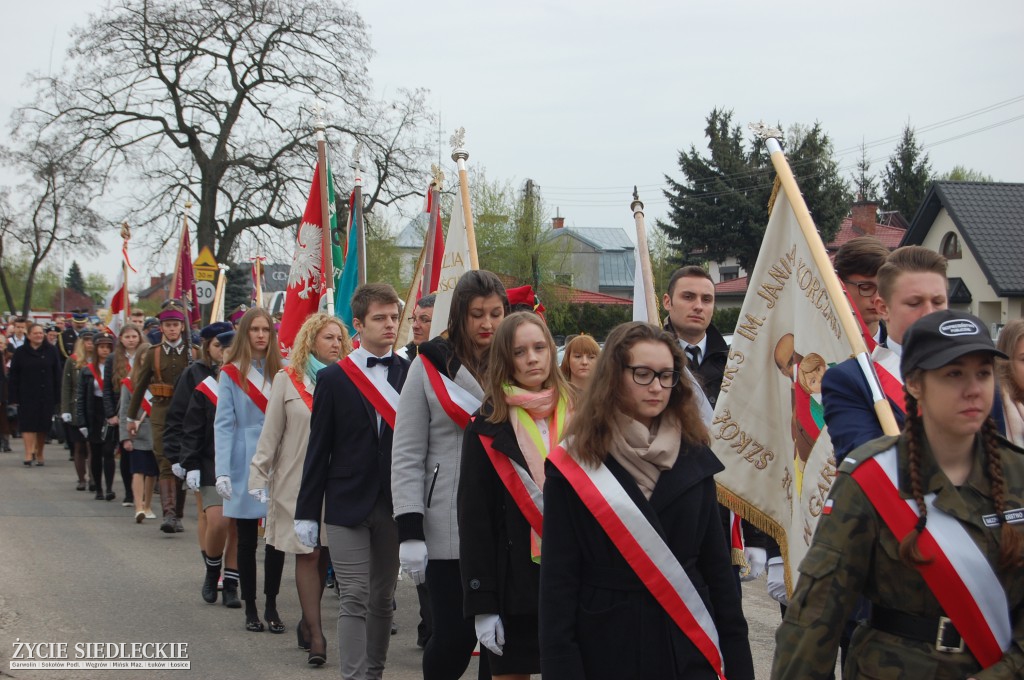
383,361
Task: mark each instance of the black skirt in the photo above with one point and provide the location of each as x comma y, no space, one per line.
521,653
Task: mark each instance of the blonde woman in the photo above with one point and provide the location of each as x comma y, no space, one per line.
243,390
579,359
275,472
1011,379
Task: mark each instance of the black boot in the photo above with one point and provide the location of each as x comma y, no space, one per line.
212,576
230,594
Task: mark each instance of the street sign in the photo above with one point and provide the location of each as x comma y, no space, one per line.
206,270
205,291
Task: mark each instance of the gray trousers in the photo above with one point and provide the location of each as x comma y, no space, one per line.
365,559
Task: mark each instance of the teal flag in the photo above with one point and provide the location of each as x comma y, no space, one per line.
350,273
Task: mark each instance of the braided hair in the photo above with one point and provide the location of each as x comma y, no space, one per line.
913,431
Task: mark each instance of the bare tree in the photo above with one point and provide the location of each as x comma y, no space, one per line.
52,207
210,100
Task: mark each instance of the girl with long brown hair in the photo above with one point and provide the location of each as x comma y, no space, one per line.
119,366
527,405
445,380
927,526
243,390
637,425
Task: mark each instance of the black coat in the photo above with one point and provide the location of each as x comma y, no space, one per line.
34,385
712,364
175,418
597,620
348,460
498,574
90,407
196,450
111,392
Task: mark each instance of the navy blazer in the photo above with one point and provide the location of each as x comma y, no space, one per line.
850,412
348,460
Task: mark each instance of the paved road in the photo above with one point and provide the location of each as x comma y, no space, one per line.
78,570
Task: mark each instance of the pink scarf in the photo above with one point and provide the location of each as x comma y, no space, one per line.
536,406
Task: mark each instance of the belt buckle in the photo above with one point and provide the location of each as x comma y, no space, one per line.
945,622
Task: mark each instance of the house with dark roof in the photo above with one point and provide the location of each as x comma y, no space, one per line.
596,259
979,228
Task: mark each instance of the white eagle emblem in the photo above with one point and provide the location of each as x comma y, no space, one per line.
305,272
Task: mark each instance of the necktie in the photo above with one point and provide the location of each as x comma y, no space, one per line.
383,361
694,354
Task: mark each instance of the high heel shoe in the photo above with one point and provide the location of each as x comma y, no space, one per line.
300,637
318,658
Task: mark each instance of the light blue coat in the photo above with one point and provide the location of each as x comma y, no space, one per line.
236,431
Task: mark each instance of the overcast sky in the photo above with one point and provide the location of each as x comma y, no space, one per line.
591,97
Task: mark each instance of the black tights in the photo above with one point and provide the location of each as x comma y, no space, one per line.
273,566
126,471
102,461
453,638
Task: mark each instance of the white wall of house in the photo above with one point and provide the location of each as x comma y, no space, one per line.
728,269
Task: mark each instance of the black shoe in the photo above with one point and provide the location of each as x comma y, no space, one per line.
92,486
40,463
110,496
318,658
98,496
128,503
254,625
230,595
80,487
27,463
167,526
210,586
274,623
300,638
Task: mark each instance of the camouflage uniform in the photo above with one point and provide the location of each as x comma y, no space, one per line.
855,553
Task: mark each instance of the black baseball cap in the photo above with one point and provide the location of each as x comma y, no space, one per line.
943,337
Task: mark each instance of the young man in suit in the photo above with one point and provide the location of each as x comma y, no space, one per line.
348,473
857,263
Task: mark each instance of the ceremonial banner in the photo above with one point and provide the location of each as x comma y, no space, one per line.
349,280
117,302
306,283
435,233
639,295
768,428
184,286
454,264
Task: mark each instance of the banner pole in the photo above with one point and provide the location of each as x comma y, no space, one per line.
327,238
460,156
646,271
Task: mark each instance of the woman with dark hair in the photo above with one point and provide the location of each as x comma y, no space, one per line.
578,362
243,391
138,448
442,390
198,459
275,473
119,365
926,525
100,434
34,389
1011,379
526,407
636,580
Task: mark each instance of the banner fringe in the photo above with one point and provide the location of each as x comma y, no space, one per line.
761,522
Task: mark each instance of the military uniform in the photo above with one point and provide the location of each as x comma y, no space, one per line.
854,553
66,342
160,380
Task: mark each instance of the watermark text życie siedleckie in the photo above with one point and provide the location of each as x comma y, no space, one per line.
99,655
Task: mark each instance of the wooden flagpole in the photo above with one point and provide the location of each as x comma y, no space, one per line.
126,235
645,259
460,156
357,205
327,242
829,278
217,307
410,300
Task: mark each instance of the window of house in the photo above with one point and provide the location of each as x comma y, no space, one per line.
729,273
951,246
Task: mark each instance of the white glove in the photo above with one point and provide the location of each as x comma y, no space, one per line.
224,487
260,495
192,480
777,581
84,431
66,417
178,471
756,561
490,632
412,555
306,530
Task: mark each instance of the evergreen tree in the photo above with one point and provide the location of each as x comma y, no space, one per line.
719,209
811,155
238,287
75,281
906,176
961,173
864,182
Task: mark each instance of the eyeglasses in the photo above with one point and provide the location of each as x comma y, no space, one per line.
642,375
422,319
864,288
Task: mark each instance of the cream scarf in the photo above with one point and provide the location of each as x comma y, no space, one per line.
645,453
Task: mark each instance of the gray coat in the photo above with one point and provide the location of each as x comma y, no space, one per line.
143,439
428,447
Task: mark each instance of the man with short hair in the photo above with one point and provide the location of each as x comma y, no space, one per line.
138,318
421,317
857,263
158,371
67,339
17,336
347,478
690,303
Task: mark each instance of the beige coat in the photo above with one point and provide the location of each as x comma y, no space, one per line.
277,464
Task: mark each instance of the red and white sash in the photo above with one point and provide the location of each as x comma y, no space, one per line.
257,389
209,388
95,374
958,574
147,398
645,551
381,394
887,367
456,401
300,386
520,484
